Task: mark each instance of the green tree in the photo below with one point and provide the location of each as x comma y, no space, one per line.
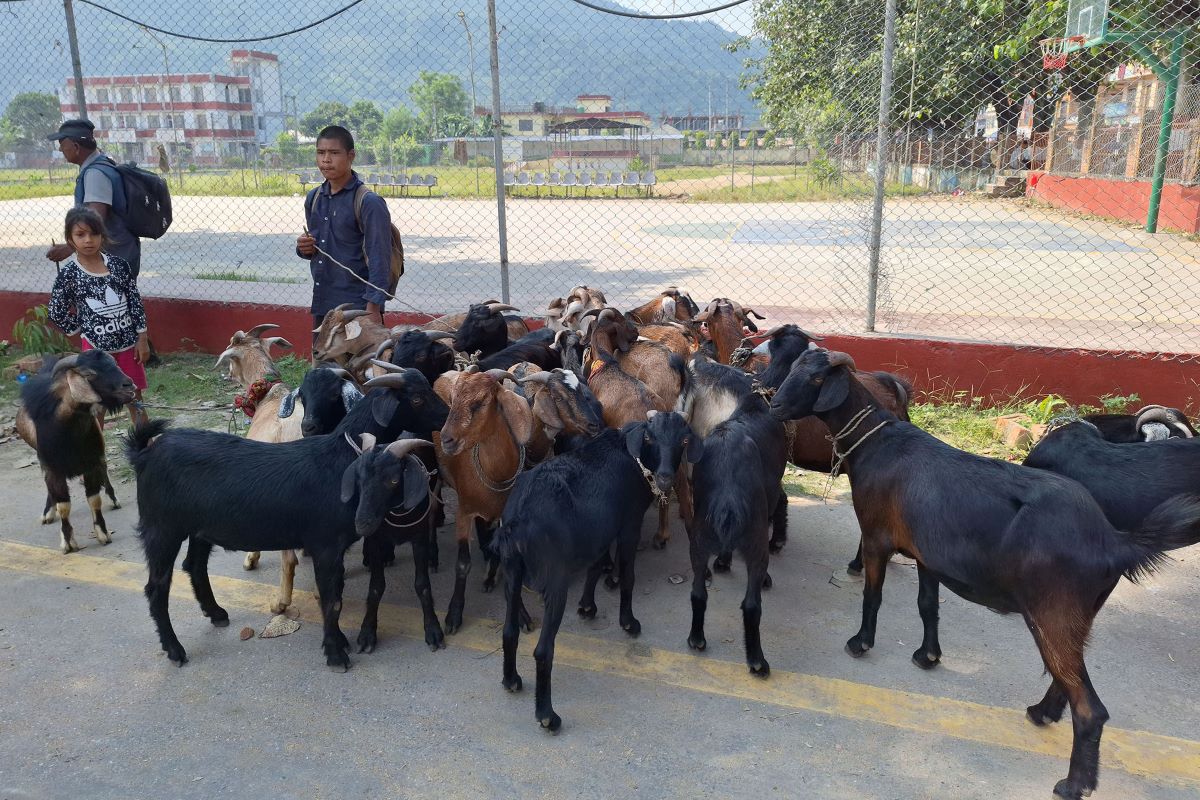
768,139
288,147
364,118
329,112
31,117
400,121
438,95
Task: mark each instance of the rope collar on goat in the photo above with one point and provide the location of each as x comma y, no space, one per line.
839,458
663,498
249,401
503,486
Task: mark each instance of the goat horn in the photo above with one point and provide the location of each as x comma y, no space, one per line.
341,373
542,377
435,335
258,330
839,359
500,375
393,380
341,307
220,359
1161,414
501,307
368,441
316,330
591,312
384,345
387,365
64,363
402,447
276,340
354,314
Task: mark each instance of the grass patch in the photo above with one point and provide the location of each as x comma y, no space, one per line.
234,275
802,189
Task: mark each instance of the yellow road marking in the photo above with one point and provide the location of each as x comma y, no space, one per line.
1141,753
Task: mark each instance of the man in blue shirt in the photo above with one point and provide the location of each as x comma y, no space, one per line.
364,246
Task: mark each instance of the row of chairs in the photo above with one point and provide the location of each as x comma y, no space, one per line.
584,180
377,180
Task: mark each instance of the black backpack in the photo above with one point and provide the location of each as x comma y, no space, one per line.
147,211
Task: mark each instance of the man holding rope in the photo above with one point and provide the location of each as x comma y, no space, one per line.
348,233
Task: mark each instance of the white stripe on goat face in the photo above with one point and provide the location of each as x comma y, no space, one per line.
570,379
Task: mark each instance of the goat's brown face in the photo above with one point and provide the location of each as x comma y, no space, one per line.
480,407
813,386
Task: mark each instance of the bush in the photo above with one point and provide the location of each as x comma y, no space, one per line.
637,165
768,139
824,172
36,335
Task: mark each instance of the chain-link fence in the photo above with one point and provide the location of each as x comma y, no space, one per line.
733,153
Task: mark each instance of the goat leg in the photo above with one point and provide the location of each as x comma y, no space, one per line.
373,556
699,557
626,553
434,637
855,567
929,653
93,482
493,560
587,602
251,562
287,580
779,523
875,561
197,568
756,573
723,561
514,574
543,655
108,489
663,534
462,568
330,575
161,549
1050,708
56,487
50,511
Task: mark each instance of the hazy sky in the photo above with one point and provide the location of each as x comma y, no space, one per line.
738,19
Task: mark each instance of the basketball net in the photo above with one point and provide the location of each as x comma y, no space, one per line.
1055,51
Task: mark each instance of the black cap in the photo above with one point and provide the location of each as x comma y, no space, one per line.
74,129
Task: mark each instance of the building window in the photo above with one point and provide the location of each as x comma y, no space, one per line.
262,124
247,122
525,125
179,121
201,121
153,121
105,122
149,95
127,95
197,94
131,121
102,95
176,95
243,95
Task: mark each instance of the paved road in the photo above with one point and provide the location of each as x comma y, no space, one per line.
92,708
953,267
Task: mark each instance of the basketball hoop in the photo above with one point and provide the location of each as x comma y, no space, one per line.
1055,51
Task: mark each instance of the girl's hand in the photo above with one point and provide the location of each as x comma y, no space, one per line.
141,351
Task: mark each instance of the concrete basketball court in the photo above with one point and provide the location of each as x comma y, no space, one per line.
966,267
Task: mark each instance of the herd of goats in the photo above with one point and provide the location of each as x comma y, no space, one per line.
557,441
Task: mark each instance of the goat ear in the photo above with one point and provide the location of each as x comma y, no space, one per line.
516,411
353,329
695,447
416,482
633,439
350,395
546,409
350,481
834,391
288,404
383,407
81,391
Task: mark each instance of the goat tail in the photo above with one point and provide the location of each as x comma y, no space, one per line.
1173,524
728,517
140,438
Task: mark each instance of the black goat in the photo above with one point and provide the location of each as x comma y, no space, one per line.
564,515
1128,480
1151,423
1014,539
57,419
784,344
736,491
239,494
536,348
421,350
485,330
570,349
326,394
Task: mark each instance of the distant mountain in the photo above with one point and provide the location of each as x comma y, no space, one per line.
550,50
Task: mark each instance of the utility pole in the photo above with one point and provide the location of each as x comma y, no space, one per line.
76,65
462,17
498,162
175,138
875,243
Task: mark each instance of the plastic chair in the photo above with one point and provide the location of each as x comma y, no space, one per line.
555,179
585,180
539,180
649,180
401,182
430,182
569,180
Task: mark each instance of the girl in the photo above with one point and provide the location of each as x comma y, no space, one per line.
95,295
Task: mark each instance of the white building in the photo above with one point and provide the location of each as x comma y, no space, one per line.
210,116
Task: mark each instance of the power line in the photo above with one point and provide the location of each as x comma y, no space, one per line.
633,15
314,24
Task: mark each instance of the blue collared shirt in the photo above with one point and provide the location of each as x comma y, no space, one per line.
331,222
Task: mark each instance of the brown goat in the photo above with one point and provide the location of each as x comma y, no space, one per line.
346,333
727,323
675,336
481,450
647,361
672,303
249,355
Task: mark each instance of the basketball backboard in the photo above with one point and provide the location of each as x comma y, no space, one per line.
1087,22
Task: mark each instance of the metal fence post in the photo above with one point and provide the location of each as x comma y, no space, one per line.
498,161
76,65
881,146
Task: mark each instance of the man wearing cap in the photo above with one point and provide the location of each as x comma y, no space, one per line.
97,186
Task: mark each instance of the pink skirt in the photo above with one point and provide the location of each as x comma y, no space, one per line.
126,361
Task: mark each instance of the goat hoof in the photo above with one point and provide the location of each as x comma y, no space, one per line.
512,684
551,723
854,568
633,627
177,655
720,566
1071,790
278,607
658,544
218,617
926,659
697,643
526,621
68,546
856,648
338,660
453,620
760,668
115,505
587,612
49,516
767,581
250,561
103,536
366,641
611,582
434,636
775,547
1040,716
489,584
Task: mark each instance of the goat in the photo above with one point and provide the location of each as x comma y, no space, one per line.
347,334
809,442
202,486
249,355
451,322
726,322
732,509
536,348
563,516
484,330
57,419
481,451
1151,423
561,405
569,345
1127,480
649,362
675,336
1014,539
672,303
421,350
